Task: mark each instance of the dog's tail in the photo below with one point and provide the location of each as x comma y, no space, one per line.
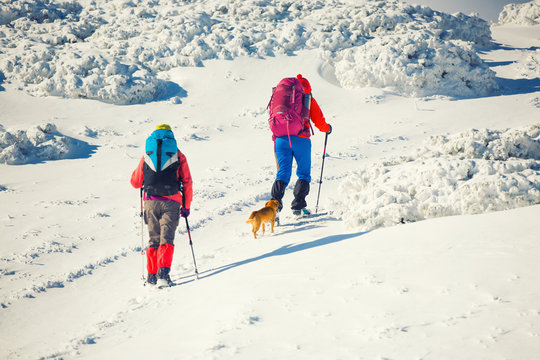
251,218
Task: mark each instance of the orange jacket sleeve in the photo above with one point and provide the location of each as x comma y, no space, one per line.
316,115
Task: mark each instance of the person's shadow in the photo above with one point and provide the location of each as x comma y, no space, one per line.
284,250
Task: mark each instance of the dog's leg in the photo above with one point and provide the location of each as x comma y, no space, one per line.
263,227
253,230
256,228
272,225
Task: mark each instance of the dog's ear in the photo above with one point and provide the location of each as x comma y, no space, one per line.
268,203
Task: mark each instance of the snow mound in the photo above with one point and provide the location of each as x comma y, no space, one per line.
38,11
93,77
39,143
521,14
417,65
469,173
114,50
75,75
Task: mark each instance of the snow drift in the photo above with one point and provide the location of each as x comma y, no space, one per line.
38,143
419,65
115,50
521,14
473,172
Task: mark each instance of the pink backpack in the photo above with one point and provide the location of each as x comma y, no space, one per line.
289,109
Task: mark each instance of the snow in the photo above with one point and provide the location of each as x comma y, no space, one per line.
474,172
521,14
417,65
426,242
42,142
114,51
486,9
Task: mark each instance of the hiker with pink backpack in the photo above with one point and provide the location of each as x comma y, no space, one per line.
292,109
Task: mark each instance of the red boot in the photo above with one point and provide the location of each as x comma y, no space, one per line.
152,264
165,256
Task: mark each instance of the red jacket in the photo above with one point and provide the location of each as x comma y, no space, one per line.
183,174
315,112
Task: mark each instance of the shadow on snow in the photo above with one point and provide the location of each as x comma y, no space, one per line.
513,86
518,86
171,90
2,79
284,250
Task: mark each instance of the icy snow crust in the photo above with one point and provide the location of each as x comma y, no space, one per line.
114,50
473,172
521,14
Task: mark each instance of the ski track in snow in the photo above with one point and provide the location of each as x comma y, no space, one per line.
251,317
185,276
39,285
94,332
62,246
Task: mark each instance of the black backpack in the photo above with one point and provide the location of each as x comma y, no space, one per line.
161,164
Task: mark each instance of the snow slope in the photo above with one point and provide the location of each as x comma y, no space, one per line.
449,287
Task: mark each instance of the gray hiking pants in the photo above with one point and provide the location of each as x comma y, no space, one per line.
162,218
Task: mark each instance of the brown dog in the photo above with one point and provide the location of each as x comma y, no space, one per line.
262,216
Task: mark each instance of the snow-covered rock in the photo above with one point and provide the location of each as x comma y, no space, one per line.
114,50
473,172
521,14
419,64
38,143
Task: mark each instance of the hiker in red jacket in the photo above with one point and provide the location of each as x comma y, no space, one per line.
297,147
164,176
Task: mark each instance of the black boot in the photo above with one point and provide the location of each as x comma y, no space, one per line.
152,279
278,190
164,280
301,190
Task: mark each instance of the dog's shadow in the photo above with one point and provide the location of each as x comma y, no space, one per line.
302,224
284,250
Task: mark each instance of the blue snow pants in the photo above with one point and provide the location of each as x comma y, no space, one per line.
300,151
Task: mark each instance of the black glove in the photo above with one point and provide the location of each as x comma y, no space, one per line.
329,129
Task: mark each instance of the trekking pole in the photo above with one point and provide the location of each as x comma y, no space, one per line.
322,167
142,237
192,252
189,233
